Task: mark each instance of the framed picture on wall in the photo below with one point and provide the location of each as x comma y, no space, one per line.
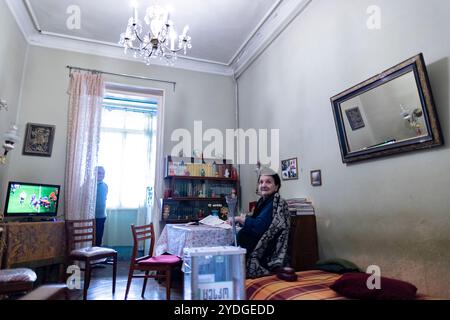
316,178
39,140
355,118
289,169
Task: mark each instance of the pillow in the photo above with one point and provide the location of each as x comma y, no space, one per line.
335,268
354,286
337,265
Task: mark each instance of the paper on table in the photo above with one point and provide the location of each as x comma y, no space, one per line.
213,221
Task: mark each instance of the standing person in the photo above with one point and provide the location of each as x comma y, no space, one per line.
100,206
265,233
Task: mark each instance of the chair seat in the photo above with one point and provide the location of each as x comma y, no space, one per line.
17,275
91,251
162,259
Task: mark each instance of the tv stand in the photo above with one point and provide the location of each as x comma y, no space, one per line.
41,244
34,219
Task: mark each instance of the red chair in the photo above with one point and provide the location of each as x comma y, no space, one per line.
162,265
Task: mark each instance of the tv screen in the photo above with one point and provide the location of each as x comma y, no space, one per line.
31,199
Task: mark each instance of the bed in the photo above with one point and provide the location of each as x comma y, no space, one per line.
311,285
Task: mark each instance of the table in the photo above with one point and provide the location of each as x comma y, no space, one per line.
175,237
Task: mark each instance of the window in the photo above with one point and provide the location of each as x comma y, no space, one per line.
127,147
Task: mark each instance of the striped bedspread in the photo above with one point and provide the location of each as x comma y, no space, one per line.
311,285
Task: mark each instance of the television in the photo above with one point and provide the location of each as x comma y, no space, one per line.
31,200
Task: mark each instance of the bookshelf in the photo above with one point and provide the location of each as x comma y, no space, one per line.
195,188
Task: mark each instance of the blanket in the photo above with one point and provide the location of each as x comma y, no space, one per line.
271,252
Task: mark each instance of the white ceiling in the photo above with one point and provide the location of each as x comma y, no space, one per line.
223,31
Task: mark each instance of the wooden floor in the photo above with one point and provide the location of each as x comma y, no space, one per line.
101,286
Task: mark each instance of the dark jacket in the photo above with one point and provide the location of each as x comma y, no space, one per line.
256,224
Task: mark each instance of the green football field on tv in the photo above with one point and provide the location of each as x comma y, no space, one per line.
32,199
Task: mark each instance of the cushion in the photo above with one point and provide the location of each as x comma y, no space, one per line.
91,251
17,275
336,265
354,286
162,259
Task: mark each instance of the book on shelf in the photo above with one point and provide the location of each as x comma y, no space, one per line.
183,166
304,213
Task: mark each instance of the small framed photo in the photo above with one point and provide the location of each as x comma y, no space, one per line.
289,169
355,118
39,140
316,178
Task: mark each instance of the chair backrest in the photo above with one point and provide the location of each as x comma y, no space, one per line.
142,233
80,231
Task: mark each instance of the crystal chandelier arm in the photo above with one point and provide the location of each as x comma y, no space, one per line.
172,50
138,36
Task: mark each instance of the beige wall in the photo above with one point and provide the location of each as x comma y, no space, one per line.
198,96
12,58
392,212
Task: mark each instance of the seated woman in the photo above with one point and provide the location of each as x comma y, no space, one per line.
265,234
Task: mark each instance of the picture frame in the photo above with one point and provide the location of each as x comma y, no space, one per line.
316,178
355,118
39,140
289,169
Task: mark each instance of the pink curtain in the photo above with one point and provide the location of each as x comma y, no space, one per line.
85,104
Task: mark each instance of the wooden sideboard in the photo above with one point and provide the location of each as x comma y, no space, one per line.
33,244
303,242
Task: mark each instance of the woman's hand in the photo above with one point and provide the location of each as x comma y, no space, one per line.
241,219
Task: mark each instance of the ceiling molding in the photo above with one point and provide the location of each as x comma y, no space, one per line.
255,30
63,43
22,17
280,18
277,19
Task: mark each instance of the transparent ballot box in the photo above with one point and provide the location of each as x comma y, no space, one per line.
214,273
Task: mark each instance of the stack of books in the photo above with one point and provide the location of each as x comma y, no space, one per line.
300,206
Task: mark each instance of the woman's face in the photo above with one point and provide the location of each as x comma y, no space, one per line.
267,186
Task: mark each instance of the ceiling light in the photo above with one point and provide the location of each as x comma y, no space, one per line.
157,38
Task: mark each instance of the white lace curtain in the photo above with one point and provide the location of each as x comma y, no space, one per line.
86,92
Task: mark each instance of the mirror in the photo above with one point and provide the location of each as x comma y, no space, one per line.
390,113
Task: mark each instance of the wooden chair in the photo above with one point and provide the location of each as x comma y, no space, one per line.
162,264
83,232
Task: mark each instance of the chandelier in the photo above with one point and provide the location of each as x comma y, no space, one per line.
158,39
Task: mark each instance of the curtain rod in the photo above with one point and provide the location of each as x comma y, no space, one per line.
123,75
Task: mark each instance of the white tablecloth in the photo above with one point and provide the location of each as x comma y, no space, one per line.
175,237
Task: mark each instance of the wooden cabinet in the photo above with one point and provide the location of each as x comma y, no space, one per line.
196,188
34,244
303,242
